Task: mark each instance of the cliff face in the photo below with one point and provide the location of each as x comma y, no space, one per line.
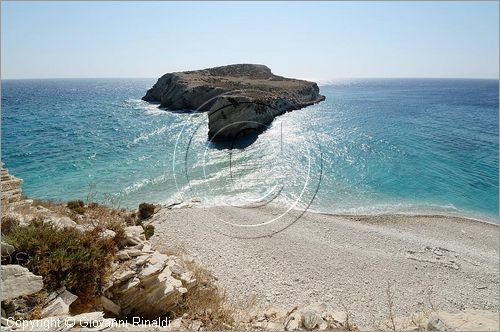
238,98
11,190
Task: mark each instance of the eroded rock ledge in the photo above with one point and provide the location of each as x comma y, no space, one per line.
238,98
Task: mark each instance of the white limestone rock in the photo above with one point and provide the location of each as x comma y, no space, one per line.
18,281
145,285
58,303
124,275
132,252
110,306
108,234
61,222
122,255
310,319
7,249
195,325
238,98
176,269
134,235
293,323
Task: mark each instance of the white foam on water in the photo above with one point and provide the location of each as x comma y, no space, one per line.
147,136
148,107
155,111
139,184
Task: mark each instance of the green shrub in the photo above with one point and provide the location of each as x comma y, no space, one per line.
146,210
149,231
66,257
76,206
8,224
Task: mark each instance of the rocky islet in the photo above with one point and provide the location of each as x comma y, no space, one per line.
238,99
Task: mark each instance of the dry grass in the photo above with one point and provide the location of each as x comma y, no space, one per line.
102,215
92,214
58,208
390,306
392,322
207,301
83,305
36,302
8,224
26,307
348,322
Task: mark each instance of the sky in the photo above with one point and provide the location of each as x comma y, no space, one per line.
312,40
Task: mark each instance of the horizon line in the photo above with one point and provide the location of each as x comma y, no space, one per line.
309,79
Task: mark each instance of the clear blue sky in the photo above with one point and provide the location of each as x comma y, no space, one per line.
316,40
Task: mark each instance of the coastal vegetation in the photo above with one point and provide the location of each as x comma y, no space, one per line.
66,257
149,230
89,256
146,210
79,259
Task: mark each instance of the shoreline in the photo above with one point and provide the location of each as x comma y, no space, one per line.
197,203
413,214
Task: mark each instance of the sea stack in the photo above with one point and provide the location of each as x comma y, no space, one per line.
238,98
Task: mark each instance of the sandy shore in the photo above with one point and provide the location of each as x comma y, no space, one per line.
449,263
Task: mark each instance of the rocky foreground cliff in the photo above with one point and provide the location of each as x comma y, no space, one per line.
238,98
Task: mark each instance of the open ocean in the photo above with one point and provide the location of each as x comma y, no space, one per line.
374,146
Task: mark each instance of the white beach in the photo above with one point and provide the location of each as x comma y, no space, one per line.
428,261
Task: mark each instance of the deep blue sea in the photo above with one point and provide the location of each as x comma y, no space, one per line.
374,146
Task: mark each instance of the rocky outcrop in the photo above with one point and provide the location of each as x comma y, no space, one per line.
11,190
15,206
58,303
303,318
238,98
7,249
145,282
18,281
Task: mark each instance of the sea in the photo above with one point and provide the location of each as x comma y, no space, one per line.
374,146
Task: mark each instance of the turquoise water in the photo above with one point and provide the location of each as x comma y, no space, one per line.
374,146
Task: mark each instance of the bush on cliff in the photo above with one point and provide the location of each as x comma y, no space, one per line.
76,206
149,230
8,224
146,210
208,302
65,257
